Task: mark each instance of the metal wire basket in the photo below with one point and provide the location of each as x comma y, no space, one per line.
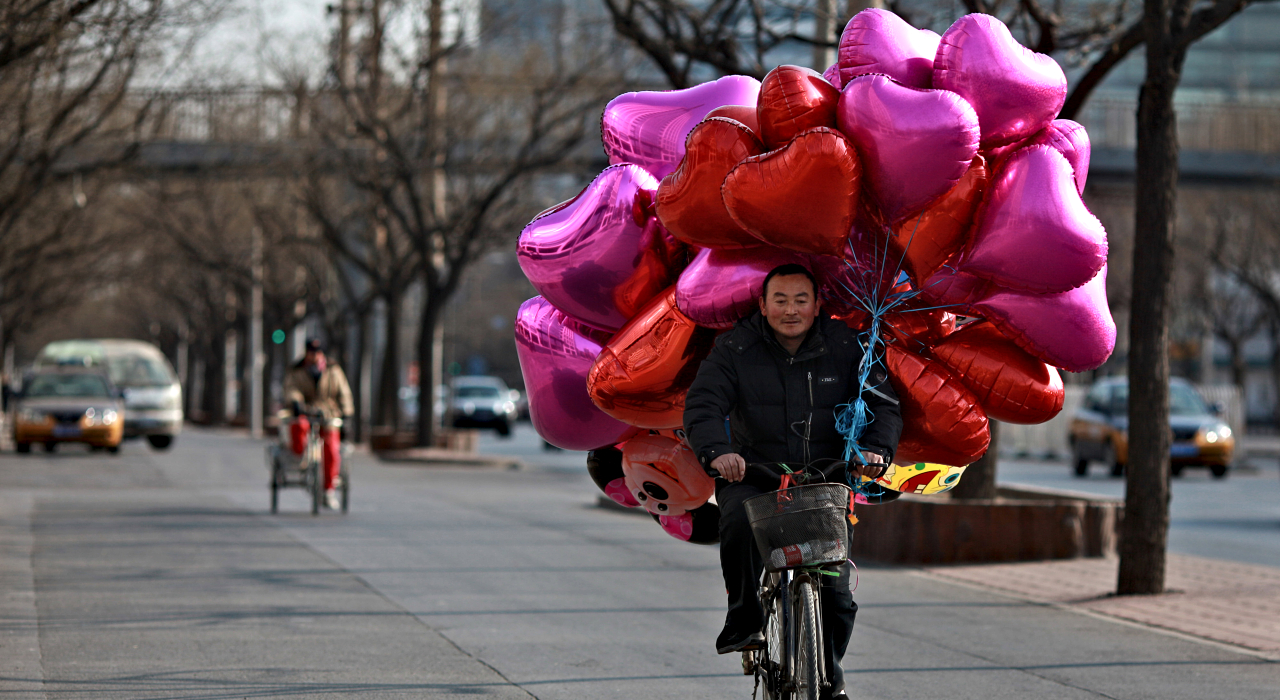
801,526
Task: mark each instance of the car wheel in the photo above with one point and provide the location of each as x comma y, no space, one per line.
504,429
160,442
113,449
1080,465
1176,469
23,448
1219,471
50,446
1114,466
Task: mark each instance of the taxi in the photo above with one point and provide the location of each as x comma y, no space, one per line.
59,405
1100,430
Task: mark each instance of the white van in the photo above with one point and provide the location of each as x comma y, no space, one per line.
152,393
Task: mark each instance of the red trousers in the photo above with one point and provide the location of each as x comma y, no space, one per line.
330,447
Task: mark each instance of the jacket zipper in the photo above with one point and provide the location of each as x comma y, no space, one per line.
810,389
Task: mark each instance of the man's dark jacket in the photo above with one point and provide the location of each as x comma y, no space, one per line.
768,396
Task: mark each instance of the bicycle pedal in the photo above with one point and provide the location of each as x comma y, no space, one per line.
749,662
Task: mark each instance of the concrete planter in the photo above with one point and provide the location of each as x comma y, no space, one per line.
1021,524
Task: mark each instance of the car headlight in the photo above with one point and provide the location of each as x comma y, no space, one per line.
1216,433
468,408
174,399
504,407
106,416
28,415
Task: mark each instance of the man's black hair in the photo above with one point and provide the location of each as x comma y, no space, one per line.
788,269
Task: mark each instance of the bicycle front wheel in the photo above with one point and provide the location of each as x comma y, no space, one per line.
808,642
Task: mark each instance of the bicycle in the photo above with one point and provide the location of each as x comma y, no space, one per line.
305,470
800,531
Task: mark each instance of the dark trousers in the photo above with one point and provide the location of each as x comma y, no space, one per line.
742,565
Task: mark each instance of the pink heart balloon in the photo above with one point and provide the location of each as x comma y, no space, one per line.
555,355
1033,232
720,287
583,255
649,128
914,144
878,41
1073,330
1015,91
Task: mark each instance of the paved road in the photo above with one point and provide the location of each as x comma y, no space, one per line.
152,575
1236,518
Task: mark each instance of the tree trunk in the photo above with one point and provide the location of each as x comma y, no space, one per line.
355,376
1238,369
388,403
426,361
1145,532
214,397
979,480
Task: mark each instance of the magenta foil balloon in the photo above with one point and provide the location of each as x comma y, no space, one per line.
914,144
555,356
1033,232
720,287
1072,141
649,128
1072,330
878,41
1015,91
581,254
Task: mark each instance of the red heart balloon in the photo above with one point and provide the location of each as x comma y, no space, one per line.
794,99
689,204
919,328
803,196
924,243
1010,384
743,115
642,375
941,419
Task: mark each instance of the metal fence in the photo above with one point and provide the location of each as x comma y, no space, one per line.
1247,126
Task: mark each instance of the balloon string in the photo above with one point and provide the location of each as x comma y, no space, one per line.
852,419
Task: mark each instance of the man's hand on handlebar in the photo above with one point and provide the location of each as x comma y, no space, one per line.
874,467
731,466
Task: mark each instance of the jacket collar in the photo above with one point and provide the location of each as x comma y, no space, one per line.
755,329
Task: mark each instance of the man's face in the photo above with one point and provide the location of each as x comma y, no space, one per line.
314,358
790,306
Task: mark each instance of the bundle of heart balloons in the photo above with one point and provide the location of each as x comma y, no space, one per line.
926,182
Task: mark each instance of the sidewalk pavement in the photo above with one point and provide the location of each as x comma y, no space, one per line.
1228,602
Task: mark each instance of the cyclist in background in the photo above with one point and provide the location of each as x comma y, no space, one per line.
315,384
778,376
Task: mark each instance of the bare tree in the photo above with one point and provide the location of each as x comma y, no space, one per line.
65,71
441,147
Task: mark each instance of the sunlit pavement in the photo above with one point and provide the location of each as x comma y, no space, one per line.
161,575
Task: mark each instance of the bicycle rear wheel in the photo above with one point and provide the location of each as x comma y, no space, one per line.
808,643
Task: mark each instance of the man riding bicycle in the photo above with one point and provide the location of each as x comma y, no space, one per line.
316,385
778,376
